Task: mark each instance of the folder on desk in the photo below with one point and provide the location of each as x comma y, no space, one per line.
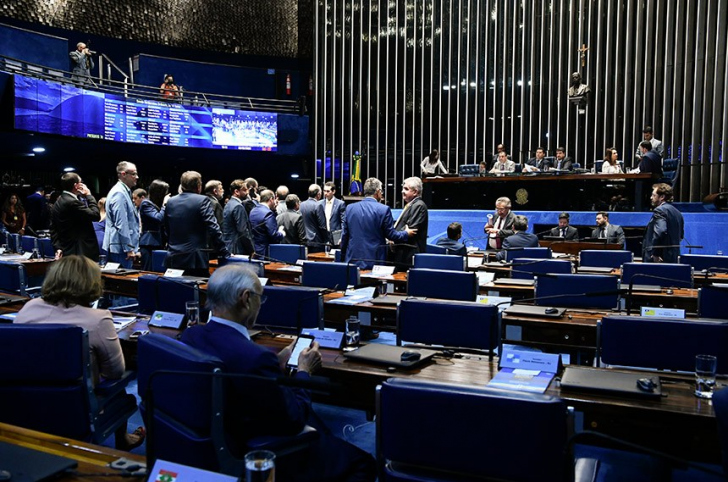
388,355
28,464
607,381
389,300
531,310
514,281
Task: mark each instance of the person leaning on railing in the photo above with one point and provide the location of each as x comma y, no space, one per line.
169,89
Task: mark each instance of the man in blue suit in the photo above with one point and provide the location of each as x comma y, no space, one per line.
452,242
234,296
314,220
263,221
665,230
368,225
188,220
334,210
519,239
121,236
650,160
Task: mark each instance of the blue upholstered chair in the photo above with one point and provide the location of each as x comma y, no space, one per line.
448,323
720,405
439,261
577,291
45,247
658,274
292,307
15,242
533,253
13,278
287,253
526,268
182,392
473,435
336,276
157,293
158,257
46,384
605,258
257,266
712,302
442,284
435,249
705,262
29,243
670,171
661,343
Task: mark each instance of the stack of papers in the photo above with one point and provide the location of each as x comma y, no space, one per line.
121,322
353,297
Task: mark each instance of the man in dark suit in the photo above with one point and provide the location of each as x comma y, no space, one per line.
452,242
562,162
72,218
292,221
36,206
189,220
538,163
334,209
252,199
367,226
236,229
263,221
234,295
414,215
665,230
650,160
501,225
613,233
215,191
519,239
314,220
563,230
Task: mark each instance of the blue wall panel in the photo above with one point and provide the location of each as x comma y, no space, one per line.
34,47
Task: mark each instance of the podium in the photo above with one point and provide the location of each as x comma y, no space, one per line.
574,247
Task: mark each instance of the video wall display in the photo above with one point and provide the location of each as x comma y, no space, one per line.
68,110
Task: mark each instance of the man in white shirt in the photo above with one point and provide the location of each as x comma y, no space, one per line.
334,209
657,145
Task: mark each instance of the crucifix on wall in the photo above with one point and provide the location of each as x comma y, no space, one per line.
583,51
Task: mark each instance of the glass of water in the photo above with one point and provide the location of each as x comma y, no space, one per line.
353,328
705,368
327,249
382,288
192,312
260,466
102,260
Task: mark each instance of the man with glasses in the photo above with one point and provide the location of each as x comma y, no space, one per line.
121,236
234,296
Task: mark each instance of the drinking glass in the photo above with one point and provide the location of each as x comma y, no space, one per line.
705,368
192,311
260,466
382,287
102,260
353,327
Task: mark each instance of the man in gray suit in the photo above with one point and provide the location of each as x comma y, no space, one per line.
613,233
665,230
501,225
292,221
82,64
314,220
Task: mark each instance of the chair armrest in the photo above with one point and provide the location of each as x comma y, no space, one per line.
108,388
284,444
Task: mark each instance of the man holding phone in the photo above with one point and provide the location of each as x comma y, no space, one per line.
72,218
234,296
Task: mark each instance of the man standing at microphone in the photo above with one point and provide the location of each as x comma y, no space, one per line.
82,64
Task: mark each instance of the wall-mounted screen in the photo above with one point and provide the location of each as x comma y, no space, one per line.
54,108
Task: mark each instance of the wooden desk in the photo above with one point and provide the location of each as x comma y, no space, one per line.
381,317
680,298
575,247
92,459
321,256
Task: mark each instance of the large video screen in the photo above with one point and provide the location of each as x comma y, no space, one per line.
55,108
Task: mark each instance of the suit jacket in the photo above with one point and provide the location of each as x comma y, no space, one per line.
122,221
336,221
152,221
415,216
507,227
541,165
571,233
265,229
37,208
188,219
510,167
80,65
216,208
651,162
452,246
237,232
367,226
249,204
292,222
520,239
657,146
666,228
314,221
615,234
566,164
72,229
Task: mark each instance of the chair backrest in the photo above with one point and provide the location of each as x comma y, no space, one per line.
711,302
435,249
468,170
442,284
29,243
533,253
720,406
158,257
475,431
705,262
598,164
292,307
605,258
448,323
45,380
14,242
13,278
182,425
439,261
257,266
526,268
661,343
157,293
336,276
45,245
577,290
658,274
287,253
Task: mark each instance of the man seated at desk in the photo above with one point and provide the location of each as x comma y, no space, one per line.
613,233
562,162
538,163
452,242
563,230
234,295
503,164
519,239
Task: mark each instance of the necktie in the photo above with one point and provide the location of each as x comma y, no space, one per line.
563,232
558,166
498,239
603,233
502,166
